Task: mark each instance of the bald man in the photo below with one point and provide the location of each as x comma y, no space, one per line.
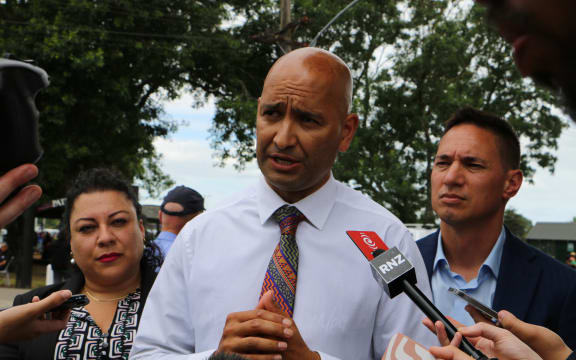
272,274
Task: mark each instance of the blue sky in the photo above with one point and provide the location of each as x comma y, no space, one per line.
188,159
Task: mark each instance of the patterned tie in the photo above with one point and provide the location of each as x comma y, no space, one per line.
283,267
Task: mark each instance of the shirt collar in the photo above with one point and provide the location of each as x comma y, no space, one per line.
166,235
316,206
492,261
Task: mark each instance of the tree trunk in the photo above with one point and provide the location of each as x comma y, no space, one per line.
25,246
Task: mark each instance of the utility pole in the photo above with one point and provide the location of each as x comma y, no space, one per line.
285,19
283,37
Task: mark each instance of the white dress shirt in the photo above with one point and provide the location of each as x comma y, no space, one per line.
218,262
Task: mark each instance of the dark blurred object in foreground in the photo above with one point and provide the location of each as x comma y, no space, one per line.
19,84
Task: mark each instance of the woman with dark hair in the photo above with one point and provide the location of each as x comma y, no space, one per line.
114,267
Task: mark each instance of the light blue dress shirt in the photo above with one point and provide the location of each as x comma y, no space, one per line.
481,288
164,240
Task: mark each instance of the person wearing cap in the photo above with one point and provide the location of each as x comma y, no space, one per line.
180,205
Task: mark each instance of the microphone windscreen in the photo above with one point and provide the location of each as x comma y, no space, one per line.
390,269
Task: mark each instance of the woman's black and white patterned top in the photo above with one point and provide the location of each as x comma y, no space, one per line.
83,339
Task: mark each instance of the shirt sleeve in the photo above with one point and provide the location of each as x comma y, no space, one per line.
324,356
165,331
400,314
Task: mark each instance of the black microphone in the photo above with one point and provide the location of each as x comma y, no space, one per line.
397,275
19,141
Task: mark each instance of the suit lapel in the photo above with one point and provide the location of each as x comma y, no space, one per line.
427,246
518,277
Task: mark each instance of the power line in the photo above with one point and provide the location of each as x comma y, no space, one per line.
313,42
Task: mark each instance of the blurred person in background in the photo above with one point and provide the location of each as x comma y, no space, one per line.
60,258
47,247
179,206
571,260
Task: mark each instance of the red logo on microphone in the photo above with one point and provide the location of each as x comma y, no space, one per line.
367,242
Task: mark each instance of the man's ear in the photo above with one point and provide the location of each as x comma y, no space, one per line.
349,127
513,183
142,229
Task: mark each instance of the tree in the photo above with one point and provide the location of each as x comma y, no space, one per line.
110,62
449,60
110,65
414,63
518,224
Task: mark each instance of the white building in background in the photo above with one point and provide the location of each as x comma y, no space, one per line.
418,231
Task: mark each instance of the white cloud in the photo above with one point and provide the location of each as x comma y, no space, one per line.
190,163
183,105
552,197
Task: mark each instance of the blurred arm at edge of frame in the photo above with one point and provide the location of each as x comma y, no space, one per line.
27,321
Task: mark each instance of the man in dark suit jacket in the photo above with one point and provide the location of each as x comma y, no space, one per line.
531,285
475,173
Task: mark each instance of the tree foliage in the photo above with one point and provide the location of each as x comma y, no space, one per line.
518,224
414,64
445,59
111,63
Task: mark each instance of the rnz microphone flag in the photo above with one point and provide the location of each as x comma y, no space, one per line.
389,266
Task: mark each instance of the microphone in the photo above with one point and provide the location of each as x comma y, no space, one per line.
19,140
397,275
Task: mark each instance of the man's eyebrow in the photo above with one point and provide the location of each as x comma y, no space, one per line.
442,157
466,159
310,114
470,159
277,106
